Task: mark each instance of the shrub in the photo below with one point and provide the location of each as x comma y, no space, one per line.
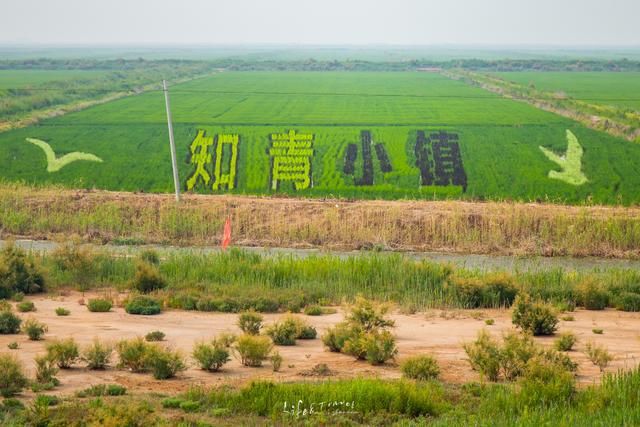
545,383
183,301
489,322
12,377
368,315
628,301
132,354
334,338
283,333
103,390
313,310
211,356
18,273
163,362
485,356
250,322
276,361
9,323
143,305
46,371
421,367
592,296
253,350
568,318
147,278
63,352
42,400
97,355
61,311
26,306
536,318
469,291
206,304
13,345
154,336
307,332
34,329
78,262
149,256
597,331
18,297
380,347
99,305
517,349
5,305
598,355
565,342
376,347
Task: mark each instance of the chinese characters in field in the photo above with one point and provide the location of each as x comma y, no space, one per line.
290,155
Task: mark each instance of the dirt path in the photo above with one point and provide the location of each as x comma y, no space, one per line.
437,332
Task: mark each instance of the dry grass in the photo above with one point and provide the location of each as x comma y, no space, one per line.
454,226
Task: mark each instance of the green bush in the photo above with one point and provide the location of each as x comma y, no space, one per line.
422,367
63,352
34,329
26,306
592,295
250,322
252,350
46,371
598,355
12,377
368,315
143,305
5,305
283,333
183,301
99,305
147,278
132,354
628,301
18,297
545,383
207,305
536,318
154,336
18,273
103,390
61,311
13,345
78,262
97,355
510,360
499,290
334,338
276,361
307,332
211,356
565,342
43,400
313,310
163,362
376,347
9,323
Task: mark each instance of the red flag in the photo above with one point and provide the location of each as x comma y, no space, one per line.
226,237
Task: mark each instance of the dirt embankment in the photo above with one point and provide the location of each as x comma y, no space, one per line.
440,333
448,226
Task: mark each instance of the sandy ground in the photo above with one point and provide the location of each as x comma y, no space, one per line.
437,332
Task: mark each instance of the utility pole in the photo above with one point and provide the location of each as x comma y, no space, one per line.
174,163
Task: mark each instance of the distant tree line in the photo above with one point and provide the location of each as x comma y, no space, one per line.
234,64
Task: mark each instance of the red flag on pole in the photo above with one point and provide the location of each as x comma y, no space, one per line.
226,237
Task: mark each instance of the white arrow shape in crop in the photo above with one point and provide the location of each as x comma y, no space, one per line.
570,162
55,164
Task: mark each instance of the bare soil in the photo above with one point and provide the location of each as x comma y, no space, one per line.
437,332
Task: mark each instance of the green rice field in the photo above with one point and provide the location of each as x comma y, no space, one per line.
369,135
617,89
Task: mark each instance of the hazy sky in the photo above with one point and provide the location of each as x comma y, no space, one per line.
538,22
